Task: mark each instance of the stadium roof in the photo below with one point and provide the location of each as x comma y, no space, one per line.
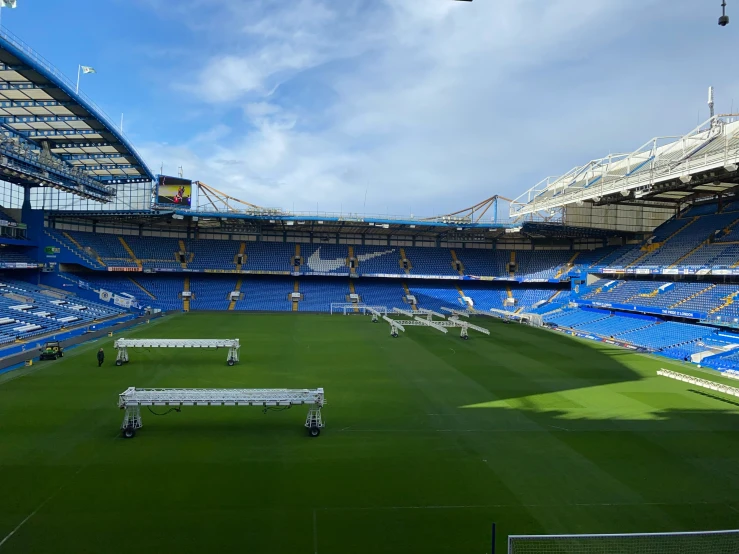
296,223
39,104
663,171
330,225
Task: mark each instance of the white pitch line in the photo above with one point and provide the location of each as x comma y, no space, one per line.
45,502
487,506
560,428
29,516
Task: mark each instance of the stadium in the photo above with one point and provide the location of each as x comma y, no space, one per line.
551,373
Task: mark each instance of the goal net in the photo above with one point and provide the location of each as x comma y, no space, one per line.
699,542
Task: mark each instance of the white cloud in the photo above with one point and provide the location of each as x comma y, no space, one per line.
429,105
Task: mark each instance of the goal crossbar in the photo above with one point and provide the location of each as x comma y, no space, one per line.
688,542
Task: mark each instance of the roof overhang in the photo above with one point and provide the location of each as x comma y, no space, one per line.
41,106
666,169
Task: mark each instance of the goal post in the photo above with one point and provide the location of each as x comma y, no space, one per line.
693,542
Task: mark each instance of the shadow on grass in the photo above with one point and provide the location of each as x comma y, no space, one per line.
714,396
227,426
519,361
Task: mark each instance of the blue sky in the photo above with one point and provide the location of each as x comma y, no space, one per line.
428,106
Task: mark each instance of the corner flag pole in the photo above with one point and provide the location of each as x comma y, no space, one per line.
79,68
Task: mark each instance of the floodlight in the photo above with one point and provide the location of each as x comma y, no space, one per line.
723,21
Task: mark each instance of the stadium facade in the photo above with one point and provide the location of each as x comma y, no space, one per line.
639,250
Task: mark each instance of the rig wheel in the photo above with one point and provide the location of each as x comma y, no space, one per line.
118,363
129,432
314,431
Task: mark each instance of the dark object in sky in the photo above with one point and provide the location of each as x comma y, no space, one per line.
724,19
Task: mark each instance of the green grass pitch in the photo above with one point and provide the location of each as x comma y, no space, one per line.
429,439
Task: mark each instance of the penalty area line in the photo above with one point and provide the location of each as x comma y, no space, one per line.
507,506
29,516
560,428
51,497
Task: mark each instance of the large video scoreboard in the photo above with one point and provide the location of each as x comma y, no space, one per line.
174,191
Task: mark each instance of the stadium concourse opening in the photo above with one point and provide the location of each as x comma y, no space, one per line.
592,410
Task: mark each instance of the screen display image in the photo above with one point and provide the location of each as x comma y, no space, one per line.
174,191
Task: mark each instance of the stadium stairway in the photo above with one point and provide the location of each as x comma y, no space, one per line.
653,293
728,301
512,262
408,292
296,285
242,249
456,263
676,263
684,300
408,265
237,288
75,251
352,290
351,257
79,247
186,300
130,252
681,229
183,251
139,285
461,292
565,268
648,249
300,263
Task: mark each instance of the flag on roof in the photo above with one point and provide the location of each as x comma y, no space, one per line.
8,4
85,68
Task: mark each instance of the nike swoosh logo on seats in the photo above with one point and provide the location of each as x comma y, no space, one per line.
317,264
